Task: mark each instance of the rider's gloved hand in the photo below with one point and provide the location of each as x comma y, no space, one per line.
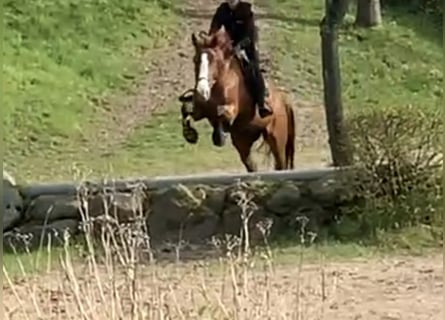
240,51
242,44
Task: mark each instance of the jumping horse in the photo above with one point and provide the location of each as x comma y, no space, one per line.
221,96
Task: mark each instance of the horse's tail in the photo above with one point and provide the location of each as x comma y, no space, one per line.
290,142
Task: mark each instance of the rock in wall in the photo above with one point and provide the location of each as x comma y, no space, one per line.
193,213
12,202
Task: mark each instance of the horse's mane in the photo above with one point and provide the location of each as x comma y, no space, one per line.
222,39
218,39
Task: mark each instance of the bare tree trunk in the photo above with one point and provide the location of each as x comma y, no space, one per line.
338,136
368,14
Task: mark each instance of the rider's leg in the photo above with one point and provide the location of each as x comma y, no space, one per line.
260,91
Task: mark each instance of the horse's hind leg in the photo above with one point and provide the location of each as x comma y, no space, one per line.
218,134
244,145
277,149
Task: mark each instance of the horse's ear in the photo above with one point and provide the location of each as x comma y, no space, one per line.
194,40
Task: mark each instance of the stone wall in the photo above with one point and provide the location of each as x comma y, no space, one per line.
12,202
193,210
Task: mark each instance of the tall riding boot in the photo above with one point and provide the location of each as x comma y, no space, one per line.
260,90
263,109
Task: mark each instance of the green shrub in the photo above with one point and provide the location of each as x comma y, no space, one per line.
398,151
429,6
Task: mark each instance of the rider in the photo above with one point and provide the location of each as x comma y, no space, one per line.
238,19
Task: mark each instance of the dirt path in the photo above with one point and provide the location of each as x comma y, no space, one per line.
169,74
404,288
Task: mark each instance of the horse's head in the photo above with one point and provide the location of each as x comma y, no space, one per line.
212,54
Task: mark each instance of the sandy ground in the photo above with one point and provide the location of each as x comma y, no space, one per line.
389,288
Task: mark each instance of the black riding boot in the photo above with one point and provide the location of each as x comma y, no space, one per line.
259,87
262,93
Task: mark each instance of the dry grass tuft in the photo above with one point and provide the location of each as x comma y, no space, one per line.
118,275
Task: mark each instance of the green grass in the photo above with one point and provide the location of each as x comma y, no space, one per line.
343,252
410,241
385,69
398,63
58,58
24,264
159,148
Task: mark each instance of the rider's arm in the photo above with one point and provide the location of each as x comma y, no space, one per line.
252,30
216,22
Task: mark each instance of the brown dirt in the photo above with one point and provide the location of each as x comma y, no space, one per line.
167,76
387,288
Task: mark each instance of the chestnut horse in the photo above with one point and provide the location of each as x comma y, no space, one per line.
222,97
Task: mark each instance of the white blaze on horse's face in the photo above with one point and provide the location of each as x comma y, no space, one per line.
203,86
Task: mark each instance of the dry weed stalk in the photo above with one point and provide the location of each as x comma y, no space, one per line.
117,276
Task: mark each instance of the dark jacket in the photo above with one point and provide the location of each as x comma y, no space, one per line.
239,23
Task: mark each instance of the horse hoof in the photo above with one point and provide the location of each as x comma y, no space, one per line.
190,135
218,138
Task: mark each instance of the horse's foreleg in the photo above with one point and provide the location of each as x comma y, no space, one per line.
244,146
189,133
225,116
226,112
189,116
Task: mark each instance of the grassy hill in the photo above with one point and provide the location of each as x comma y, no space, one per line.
395,65
59,56
62,56
398,63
